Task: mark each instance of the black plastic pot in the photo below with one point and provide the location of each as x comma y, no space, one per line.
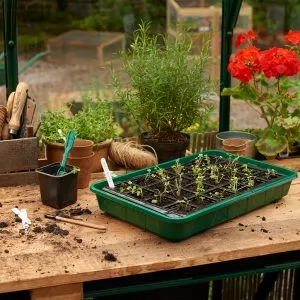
168,150
57,191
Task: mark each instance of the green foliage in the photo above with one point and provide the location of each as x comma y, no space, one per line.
165,82
106,16
51,123
278,102
93,122
271,143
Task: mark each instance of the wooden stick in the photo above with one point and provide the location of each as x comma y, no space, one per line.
76,222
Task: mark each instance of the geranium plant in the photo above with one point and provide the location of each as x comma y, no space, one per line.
269,81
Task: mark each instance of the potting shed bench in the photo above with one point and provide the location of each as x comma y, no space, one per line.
68,266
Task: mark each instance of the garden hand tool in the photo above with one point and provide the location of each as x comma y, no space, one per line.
76,222
22,214
19,102
68,147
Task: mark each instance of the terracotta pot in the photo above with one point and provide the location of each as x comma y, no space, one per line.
235,144
85,166
54,152
82,148
100,150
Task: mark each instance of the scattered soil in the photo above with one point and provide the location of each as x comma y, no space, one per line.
109,256
38,229
263,218
79,241
264,230
3,224
6,251
55,229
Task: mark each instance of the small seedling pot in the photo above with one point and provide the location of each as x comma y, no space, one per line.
57,191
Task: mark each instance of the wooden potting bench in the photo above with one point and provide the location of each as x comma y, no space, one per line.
58,267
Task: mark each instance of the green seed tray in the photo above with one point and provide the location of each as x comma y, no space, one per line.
177,228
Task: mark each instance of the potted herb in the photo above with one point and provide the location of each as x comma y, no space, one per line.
267,82
164,89
94,122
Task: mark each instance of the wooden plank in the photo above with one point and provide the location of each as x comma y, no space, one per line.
63,292
37,260
18,178
18,155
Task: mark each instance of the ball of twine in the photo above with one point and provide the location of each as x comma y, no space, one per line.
132,155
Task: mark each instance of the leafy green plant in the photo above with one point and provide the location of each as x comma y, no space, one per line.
93,122
54,127
165,82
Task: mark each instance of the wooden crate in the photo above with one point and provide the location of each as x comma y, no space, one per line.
205,19
18,161
87,47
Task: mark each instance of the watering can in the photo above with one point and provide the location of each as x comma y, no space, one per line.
26,65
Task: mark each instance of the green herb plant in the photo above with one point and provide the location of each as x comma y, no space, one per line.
165,82
178,169
132,188
93,122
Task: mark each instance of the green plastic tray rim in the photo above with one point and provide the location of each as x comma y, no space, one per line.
288,176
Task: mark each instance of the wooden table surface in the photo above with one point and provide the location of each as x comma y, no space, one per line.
34,261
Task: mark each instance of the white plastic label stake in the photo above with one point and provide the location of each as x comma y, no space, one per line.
107,173
22,214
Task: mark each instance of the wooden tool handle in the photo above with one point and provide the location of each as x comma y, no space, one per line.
18,106
9,106
76,222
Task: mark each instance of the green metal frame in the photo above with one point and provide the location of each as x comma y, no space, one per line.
10,44
230,12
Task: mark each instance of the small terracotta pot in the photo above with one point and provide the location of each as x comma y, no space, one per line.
235,144
85,166
54,152
82,148
100,150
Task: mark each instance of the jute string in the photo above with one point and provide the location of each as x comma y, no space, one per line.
132,155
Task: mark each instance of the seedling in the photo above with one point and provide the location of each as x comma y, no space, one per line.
270,173
132,188
178,169
199,185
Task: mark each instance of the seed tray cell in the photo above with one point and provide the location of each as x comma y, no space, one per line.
200,215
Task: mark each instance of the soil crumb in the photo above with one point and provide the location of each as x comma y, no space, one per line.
0,204
55,229
3,224
109,256
263,218
73,212
79,241
38,229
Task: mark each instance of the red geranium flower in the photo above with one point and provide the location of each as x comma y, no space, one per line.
276,62
245,37
245,63
293,37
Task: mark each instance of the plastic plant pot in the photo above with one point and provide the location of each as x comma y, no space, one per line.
57,191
